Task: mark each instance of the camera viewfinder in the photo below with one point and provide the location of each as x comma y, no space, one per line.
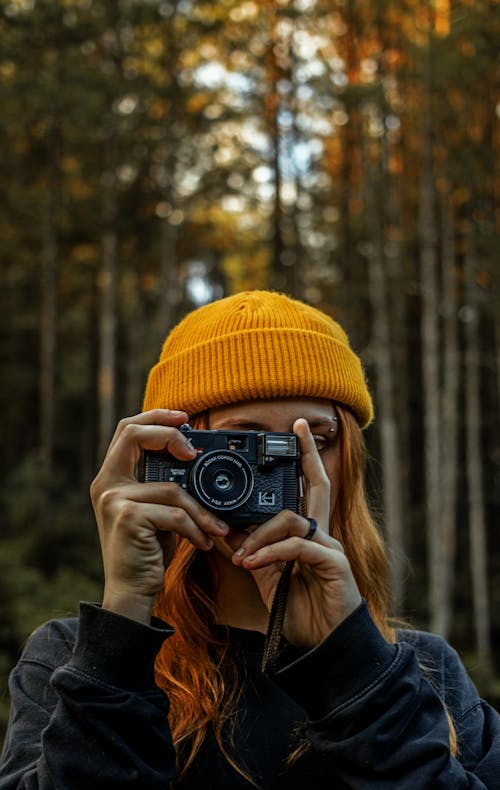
237,443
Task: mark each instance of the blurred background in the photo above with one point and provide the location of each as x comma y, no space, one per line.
157,155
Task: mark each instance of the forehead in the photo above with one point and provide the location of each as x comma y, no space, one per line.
272,414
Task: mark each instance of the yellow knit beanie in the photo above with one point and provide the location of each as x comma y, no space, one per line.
252,346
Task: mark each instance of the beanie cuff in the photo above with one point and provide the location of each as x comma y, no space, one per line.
279,362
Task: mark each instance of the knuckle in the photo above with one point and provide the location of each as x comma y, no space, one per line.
342,555
129,431
173,493
123,423
201,513
104,499
298,522
176,438
178,517
179,498
342,563
125,510
95,488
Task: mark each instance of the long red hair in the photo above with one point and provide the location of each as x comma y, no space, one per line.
193,666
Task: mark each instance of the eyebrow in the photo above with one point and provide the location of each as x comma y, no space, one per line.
241,424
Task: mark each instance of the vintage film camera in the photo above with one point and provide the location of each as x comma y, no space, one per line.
244,477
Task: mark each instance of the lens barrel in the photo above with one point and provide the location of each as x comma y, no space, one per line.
222,479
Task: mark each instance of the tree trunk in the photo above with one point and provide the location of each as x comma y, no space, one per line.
48,316
277,275
430,358
272,108
295,261
349,147
477,526
497,355
170,291
449,421
107,279
88,448
382,345
48,281
107,274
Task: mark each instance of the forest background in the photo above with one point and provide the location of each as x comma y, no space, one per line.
160,154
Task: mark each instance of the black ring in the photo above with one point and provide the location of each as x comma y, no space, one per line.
313,526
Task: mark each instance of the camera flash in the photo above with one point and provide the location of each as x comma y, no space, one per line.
280,446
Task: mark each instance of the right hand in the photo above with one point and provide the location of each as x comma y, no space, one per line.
138,522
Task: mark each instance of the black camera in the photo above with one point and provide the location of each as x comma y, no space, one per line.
244,477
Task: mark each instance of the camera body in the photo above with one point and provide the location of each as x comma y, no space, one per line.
244,477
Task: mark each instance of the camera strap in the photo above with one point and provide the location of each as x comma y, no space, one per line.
277,614
276,617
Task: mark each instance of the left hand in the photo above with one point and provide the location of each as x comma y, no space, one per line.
322,590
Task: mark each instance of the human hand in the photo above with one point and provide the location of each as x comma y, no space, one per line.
322,589
138,522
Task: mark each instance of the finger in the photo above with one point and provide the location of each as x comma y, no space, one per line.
172,519
286,524
312,465
168,417
313,526
137,519
306,551
169,494
134,437
317,480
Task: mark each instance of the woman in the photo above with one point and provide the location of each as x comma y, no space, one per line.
351,703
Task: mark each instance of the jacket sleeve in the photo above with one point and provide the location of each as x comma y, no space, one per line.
91,716
379,716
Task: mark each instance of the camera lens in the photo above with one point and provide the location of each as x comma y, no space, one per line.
222,480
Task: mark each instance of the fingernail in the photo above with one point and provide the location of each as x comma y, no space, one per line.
240,551
222,526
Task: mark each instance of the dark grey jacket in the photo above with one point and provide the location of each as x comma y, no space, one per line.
86,713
